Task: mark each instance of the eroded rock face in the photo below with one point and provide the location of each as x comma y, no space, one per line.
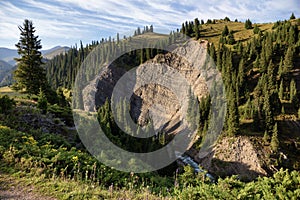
155,100
101,87
234,156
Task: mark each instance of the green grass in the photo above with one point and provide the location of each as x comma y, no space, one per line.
62,188
212,32
11,93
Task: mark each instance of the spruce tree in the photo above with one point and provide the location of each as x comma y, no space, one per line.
293,90
196,28
225,31
30,76
256,29
42,102
232,114
292,16
274,139
248,24
288,60
268,114
230,38
281,91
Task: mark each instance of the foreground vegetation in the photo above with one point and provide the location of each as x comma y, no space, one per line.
259,65
56,168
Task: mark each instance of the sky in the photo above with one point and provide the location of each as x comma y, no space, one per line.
67,22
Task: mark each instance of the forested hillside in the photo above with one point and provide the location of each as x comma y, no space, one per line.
260,66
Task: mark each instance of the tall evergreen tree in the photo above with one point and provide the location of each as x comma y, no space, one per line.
225,31
248,24
274,139
292,16
293,90
30,76
281,91
268,114
288,60
232,114
196,28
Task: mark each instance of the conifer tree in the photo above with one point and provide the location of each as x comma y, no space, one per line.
293,90
232,115
196,28
281,91
268,114
225,31
288,60
30,76
42,102
292,16
274,139
248,24
231,39
256,29
241,77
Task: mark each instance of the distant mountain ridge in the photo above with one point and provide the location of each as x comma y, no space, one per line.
8,55
7,62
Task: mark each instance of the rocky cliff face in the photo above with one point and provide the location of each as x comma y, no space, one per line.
163,104
235,156
154,100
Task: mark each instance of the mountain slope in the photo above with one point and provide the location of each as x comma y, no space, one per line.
8,55
51,53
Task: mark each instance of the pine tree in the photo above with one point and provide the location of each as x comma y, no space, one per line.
288,60
226,19
30,76
42,102
266,137
280,68
183,29
274,139
256,29
268,114
225,31
281,91
292,35
241,77
231,39
151,29
118,38
232,115
196,28
248,24
292,16
293,90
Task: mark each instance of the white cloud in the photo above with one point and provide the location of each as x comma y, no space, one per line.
74,20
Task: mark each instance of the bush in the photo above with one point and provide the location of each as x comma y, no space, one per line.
6,104
256,29
42,102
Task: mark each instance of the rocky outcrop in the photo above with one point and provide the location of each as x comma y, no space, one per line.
155,100
235,156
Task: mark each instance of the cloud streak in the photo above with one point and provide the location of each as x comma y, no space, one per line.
65,22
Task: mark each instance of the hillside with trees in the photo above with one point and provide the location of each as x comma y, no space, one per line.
260,65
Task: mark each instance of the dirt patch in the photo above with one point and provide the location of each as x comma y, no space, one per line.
10,189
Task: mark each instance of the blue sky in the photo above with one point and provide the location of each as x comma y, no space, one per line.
66,22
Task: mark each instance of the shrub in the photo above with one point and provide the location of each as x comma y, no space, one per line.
6,104
42,102
256,29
